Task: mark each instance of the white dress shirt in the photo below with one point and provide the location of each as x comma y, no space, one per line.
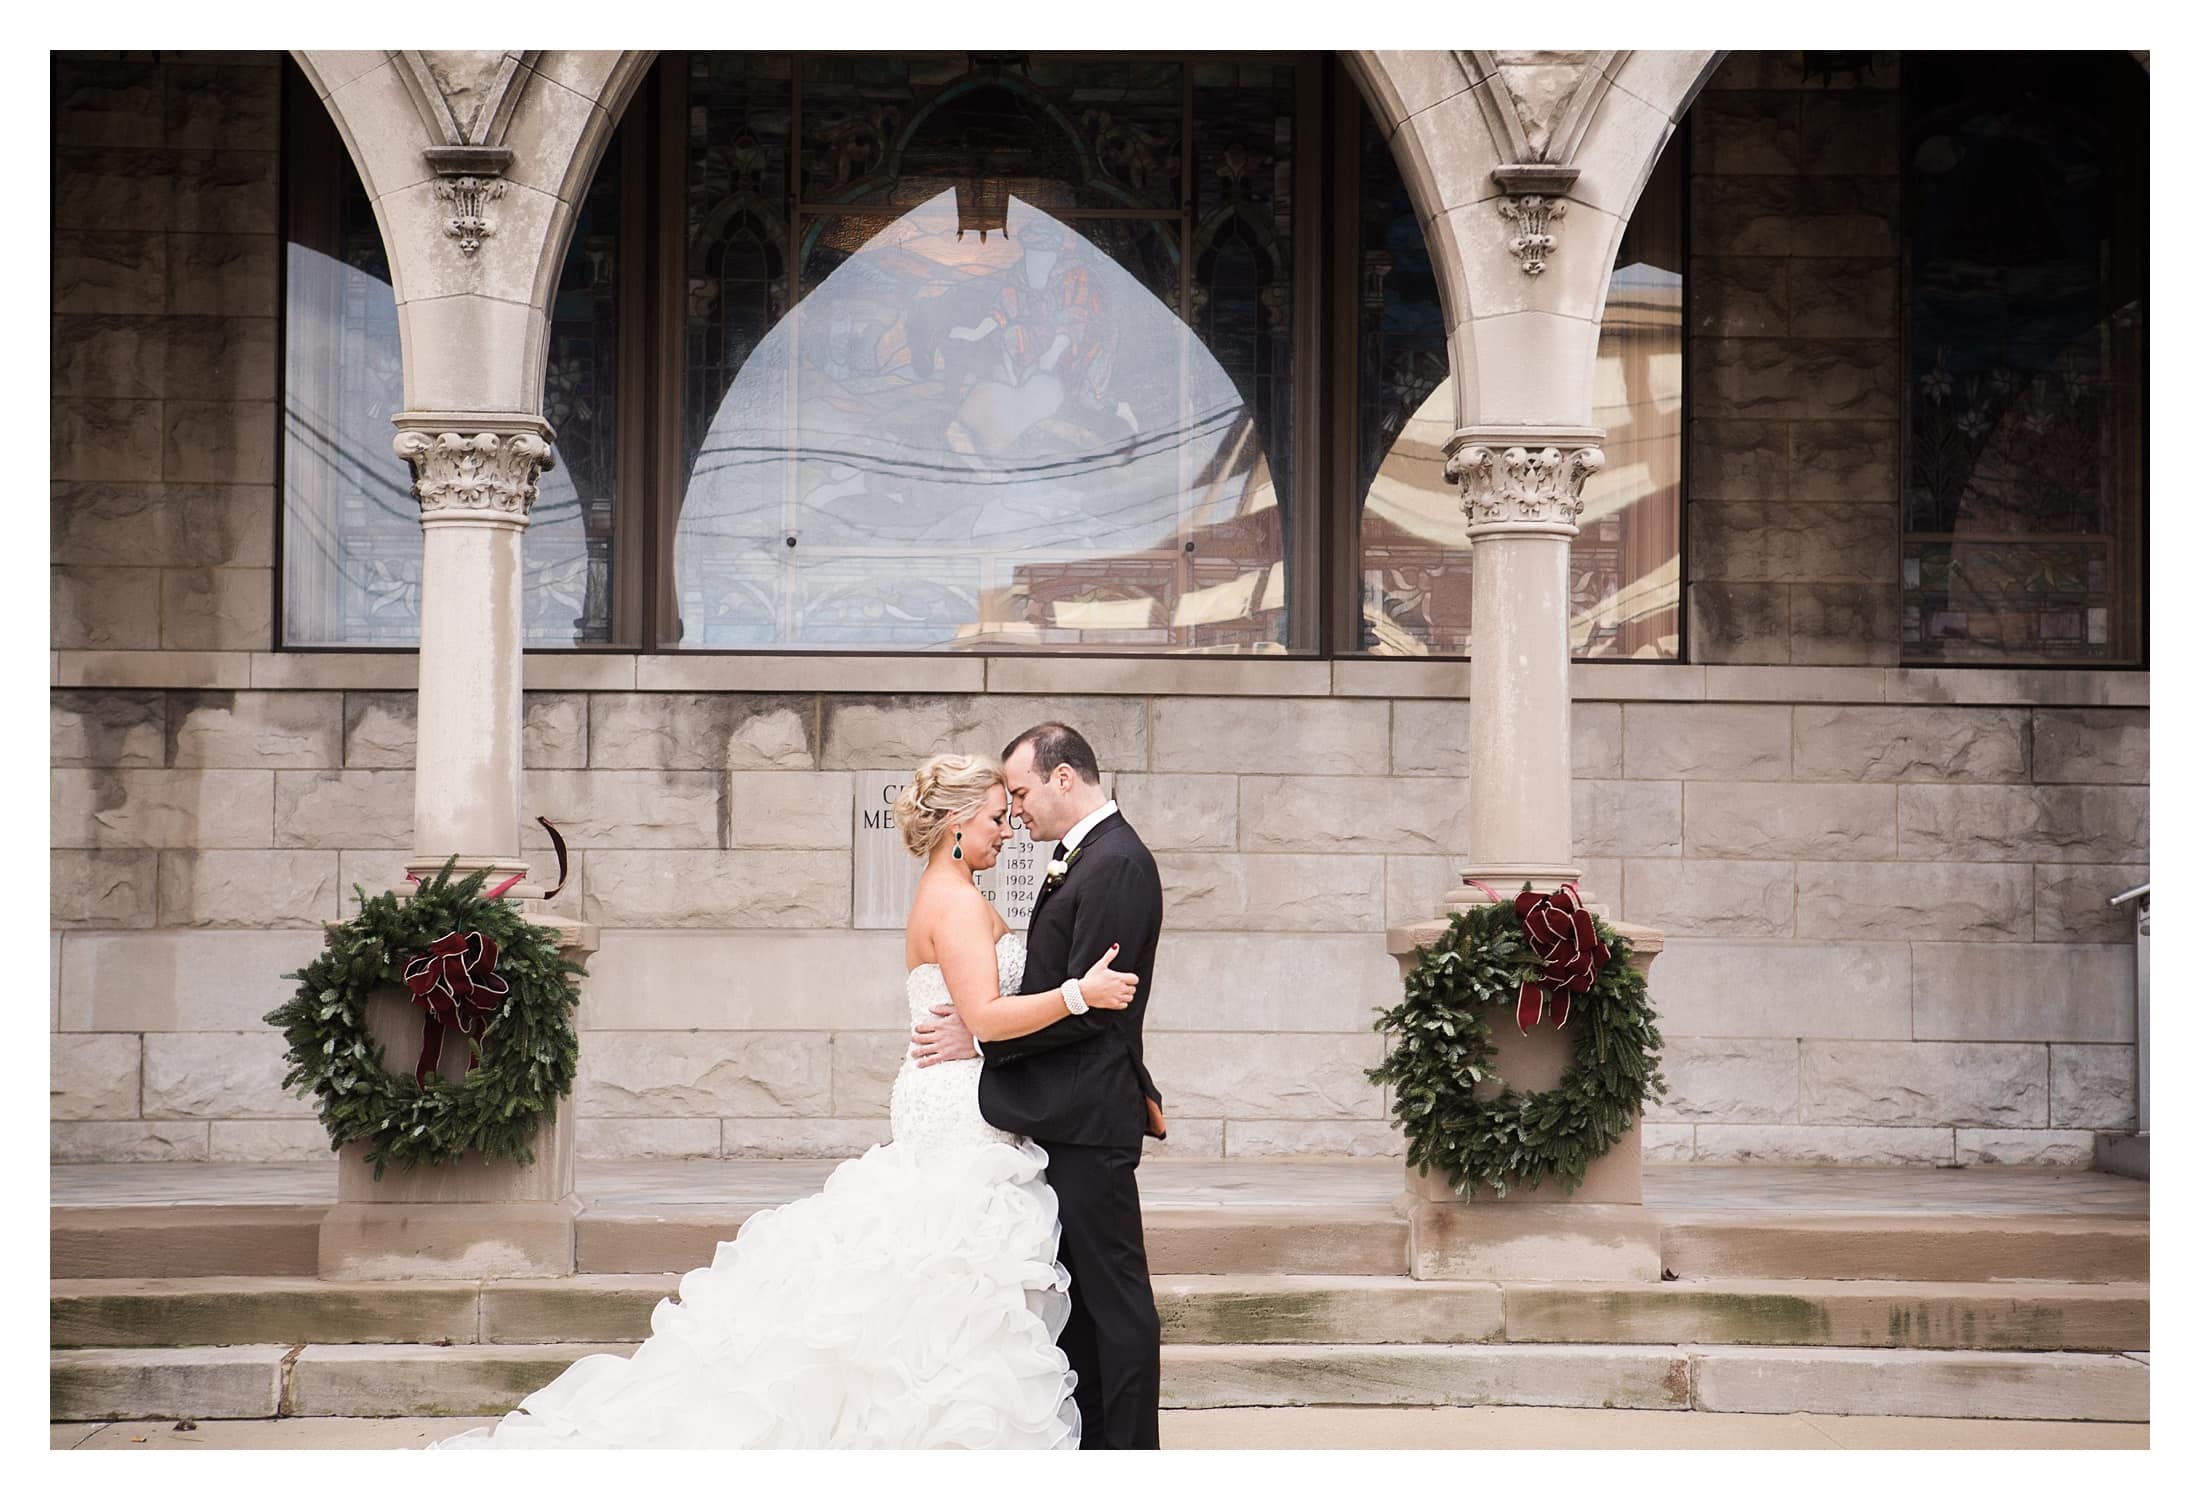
1086,824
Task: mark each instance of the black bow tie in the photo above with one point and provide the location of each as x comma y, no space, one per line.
1061,852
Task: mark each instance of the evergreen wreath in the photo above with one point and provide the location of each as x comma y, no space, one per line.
476,964
1441,1051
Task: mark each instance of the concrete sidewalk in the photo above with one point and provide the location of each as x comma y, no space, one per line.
1323,1427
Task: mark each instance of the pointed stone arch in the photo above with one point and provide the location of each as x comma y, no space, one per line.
475,164
1477,137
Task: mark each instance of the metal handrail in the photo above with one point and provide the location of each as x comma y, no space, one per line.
2143,895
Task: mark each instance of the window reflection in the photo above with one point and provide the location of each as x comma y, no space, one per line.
351,528
1031,382
963,441
1416,569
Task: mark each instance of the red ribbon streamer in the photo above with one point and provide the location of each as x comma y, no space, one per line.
1564,938
456,984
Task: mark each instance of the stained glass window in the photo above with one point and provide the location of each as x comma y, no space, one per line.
987,351
351,529
2023,486
1416,574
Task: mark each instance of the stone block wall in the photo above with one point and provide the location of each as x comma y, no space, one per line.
1888,937
1884,888
165,293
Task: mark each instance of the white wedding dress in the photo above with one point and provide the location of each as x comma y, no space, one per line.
912,1303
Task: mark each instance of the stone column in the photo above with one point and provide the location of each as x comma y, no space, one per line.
475,479
1521,491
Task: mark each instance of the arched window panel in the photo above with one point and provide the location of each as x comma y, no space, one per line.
1027,395
2023,499
1416,576
351,528
950,442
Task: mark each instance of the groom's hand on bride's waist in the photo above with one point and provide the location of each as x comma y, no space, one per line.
941,1039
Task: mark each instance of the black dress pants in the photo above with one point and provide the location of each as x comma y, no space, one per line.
1113,1336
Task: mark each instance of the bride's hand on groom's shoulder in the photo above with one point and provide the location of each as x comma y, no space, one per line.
1104,988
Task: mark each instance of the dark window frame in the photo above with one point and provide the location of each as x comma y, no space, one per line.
652,137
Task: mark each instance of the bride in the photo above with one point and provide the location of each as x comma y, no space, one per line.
914,1302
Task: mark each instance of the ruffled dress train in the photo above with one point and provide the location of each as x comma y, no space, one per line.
912,1303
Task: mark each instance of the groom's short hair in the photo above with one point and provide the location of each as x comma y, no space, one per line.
1056,744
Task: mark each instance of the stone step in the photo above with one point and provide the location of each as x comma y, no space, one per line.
2108,1317
185,1240
1840,1382
1330,1240
1633,1377
1333,1240
368,1380
197,1311
1922,1383
115,1385
1906,1247
1326,1310
1338,1240
183,1311
110,1312
411,1380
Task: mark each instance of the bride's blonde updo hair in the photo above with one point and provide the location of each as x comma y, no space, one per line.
946,789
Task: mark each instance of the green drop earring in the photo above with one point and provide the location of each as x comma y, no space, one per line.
958,843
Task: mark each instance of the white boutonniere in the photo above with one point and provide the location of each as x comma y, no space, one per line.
1058,869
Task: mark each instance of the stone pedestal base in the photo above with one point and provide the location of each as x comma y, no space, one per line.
1500,1240
468,1219
447,1241
1598,1232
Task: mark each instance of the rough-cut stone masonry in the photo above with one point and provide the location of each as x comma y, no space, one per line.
1884,889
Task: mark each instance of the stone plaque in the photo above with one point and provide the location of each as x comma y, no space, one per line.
886,873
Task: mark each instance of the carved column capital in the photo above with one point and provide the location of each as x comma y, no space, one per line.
1522,482
462,467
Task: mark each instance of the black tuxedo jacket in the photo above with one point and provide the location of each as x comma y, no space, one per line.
1083,1081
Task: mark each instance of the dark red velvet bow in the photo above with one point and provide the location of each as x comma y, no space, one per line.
1564,938
456,984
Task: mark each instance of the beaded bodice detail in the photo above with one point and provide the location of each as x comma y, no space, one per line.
937,1107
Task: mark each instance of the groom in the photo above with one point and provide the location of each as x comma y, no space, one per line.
1079,1088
